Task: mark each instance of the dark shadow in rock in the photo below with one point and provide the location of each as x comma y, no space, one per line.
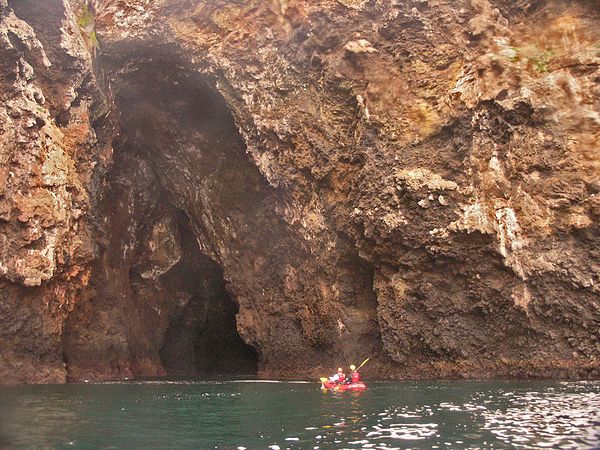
203,339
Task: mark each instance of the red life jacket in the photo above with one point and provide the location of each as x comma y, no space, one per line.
355,377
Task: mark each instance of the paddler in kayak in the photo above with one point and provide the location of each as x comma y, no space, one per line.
353,376
339,377
338,382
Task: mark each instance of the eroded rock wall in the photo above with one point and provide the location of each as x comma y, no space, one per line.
176,125
415,181
55,137
450,149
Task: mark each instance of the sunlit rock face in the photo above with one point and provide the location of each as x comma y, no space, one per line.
301,184
55,137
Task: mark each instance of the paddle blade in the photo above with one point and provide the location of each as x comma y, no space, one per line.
363,363
323,380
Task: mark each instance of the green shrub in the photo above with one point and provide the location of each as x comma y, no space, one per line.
86,17
94,39
541,61
85,20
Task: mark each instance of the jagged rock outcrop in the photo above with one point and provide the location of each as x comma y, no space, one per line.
415,181
55,142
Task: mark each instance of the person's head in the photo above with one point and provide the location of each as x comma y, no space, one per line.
340,370
352,367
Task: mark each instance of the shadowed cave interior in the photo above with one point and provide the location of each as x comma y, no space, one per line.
179,159
202,339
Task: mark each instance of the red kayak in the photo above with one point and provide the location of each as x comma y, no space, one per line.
360,386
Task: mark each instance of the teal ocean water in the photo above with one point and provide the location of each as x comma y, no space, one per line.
236,414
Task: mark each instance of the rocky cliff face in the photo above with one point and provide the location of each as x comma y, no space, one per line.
55,142
299,184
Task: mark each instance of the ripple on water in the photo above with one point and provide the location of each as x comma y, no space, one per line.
405,431
257,414
547,419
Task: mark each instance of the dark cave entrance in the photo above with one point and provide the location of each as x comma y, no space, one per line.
179,137
202,338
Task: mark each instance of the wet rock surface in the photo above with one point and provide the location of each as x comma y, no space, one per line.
320,181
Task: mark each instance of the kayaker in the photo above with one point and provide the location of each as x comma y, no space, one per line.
353,376
339,377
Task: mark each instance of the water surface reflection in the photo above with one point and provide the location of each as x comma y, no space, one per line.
251,414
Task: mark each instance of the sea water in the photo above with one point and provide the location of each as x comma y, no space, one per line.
249,414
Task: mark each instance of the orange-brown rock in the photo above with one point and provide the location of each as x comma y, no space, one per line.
413,181
47,182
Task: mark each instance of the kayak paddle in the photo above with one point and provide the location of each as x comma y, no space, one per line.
363,363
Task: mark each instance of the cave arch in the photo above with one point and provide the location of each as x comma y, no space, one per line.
175,121
158,294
